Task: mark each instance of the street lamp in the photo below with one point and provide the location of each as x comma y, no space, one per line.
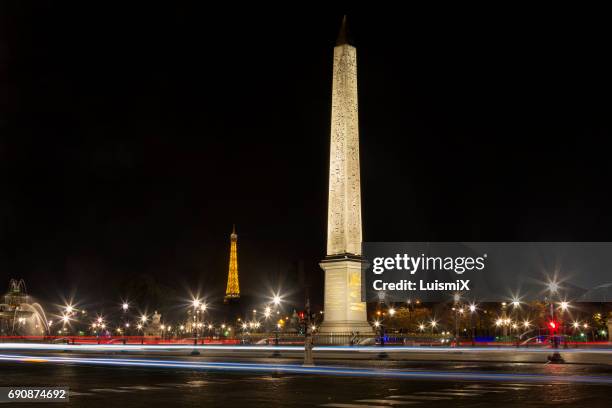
125,306
433,324
472,308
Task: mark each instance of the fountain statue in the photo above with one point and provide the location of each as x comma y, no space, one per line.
18,315
154,329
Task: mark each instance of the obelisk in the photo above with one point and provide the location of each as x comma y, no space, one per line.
343,308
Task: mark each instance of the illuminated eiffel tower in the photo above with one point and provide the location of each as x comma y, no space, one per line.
232,293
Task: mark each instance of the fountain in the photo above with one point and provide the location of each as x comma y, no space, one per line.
18,315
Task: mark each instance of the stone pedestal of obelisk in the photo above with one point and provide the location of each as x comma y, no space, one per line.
344,310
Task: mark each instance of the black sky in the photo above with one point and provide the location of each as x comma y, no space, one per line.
131,140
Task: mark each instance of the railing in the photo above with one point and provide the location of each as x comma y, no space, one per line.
271,339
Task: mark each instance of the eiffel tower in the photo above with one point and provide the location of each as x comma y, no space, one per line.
232,293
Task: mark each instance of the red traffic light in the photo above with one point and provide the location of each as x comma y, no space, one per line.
552,324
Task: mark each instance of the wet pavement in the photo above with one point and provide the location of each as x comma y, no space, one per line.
96,386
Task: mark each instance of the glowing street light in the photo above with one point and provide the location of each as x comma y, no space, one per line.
472,308
276,300
526,324
576,325
203,307
421,327
196,303
376,323
143,319
125,306
391,312
564,305
552,286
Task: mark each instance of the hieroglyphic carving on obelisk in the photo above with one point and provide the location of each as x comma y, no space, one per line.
344,208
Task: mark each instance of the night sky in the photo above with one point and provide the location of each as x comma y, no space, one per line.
132,140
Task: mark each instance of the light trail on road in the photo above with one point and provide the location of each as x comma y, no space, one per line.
298,369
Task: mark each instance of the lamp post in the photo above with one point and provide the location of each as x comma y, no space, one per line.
472,311
196,310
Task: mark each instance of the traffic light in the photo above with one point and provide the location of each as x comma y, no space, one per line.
553,325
